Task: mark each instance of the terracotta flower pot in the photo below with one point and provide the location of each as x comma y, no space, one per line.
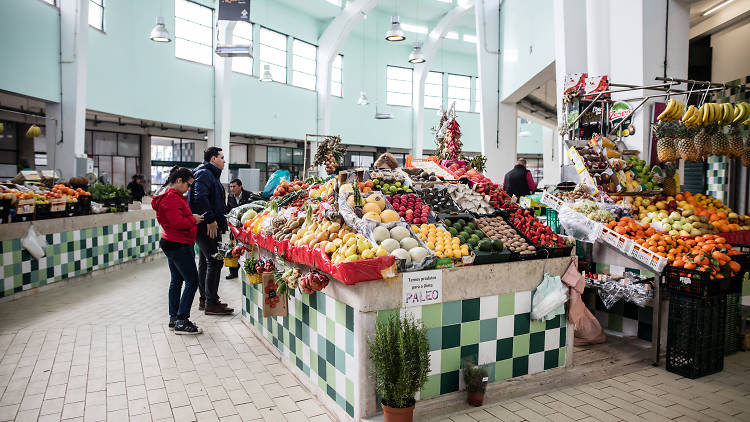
475,399
398,414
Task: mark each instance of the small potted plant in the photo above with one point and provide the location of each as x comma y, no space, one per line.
400,354
476,379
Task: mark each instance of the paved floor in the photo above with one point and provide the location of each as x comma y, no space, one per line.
99,349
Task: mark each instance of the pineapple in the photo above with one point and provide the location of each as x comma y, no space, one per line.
666,148
669,184
685,145
719,142
736,144
703,142
746,154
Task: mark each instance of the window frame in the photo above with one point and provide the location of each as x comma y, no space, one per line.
190,41
340,82
285,51
52,3
389,91
314,60
94,3
442,80
240,60
455,99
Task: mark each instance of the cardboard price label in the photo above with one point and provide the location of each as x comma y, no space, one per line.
577,160
422,288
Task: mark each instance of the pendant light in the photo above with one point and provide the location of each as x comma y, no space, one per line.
395,33
160,33
416,55
363,98
267,76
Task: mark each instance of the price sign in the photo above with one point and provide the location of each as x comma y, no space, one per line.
234,10
422,288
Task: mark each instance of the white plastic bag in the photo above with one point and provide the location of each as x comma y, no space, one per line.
34,243
549,299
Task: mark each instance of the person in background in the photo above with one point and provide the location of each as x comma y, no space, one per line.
386,161
136,187
207,198
237,197
519,181
179,227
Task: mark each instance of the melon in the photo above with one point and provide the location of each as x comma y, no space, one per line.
347,187
371,207
372,216
377,199
408,243
350,201
389,216
380,234
402,254
398,233
390,245
418,254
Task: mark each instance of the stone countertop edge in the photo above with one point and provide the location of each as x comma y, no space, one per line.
66,224
458,283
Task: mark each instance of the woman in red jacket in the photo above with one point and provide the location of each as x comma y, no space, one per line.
178,225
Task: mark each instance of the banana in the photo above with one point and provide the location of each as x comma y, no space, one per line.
680,110
691,110
667,111
729,115
715,112
704,114
745,107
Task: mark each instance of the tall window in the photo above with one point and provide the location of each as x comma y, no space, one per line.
433,90
304,58
243,35
337,70
477,95
273,53
459,90
398,85
52,2
193,32
96,13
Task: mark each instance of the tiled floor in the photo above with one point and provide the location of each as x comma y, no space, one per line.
99,349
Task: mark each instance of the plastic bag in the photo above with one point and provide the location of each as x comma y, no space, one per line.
274,181
578,225
549,298
34,243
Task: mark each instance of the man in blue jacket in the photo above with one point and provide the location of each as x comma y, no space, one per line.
207,198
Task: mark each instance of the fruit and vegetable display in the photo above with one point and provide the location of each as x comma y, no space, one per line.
439,199
461,169
495,195
442,241
592,210
538,233
389,182
329,154
498,230
468,199
418,175
401,243
410,208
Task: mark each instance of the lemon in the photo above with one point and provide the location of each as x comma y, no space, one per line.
422,237
449,253
457,253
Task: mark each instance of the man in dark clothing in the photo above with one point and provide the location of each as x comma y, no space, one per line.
206,198
237,197
136,188
519,181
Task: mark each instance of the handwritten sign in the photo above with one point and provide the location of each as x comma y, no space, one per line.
422,288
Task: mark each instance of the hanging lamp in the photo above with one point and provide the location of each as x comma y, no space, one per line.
160,32
395,33
416,55
267,76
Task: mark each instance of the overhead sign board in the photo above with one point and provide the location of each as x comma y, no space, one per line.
234,10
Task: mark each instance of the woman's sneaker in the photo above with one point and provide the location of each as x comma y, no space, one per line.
186,327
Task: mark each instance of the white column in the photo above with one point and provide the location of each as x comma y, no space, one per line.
74,55
219,136
487,23
53,133
502,157
597,44
570,57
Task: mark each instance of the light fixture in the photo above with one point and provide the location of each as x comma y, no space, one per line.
160,33
232,50
363,98
395,33
267,76
382,116
717,7
416,55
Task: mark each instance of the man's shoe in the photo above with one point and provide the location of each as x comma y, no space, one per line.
185,327
201,304
171,324
218,310
231,276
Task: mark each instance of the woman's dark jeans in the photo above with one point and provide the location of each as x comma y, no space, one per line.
182,267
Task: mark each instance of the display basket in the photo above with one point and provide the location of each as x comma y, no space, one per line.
615,239
84,205
557,252
732,341
695,335
42,211
484,257
254,278
71,209
743,258
231,262
553,220
698,283
652,259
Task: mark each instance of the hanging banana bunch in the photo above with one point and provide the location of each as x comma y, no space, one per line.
720,114
33,132
675,109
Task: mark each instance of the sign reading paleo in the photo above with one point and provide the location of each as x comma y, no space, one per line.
234,10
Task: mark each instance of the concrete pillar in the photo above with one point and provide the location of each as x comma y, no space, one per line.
570,57
73,56
597,44
487,23
53,134
219,136
502,158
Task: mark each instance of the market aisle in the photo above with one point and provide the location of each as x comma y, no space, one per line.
648,395
100,348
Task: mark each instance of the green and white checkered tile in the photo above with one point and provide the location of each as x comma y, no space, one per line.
494,331
69,254
745,299
625,317
317,336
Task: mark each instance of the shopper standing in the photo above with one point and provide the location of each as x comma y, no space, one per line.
178,235
137,192
237,197
519,181
207,198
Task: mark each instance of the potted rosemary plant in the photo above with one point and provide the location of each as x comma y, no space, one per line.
476,379
400,354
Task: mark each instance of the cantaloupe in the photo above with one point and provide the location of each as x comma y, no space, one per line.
408,243
378,199
398,233
390,245
389,216
372,216
418,254
402,254
371,207
380,234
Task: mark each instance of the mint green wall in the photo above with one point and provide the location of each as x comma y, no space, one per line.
532,144
524,24
30,46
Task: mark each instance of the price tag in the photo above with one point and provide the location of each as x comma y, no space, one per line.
422,288
577,160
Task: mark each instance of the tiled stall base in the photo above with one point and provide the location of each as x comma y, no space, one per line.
625,317
70,254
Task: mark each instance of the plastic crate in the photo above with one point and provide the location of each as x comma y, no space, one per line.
695,335
648,257
552,220
732,341
743,258
698,283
